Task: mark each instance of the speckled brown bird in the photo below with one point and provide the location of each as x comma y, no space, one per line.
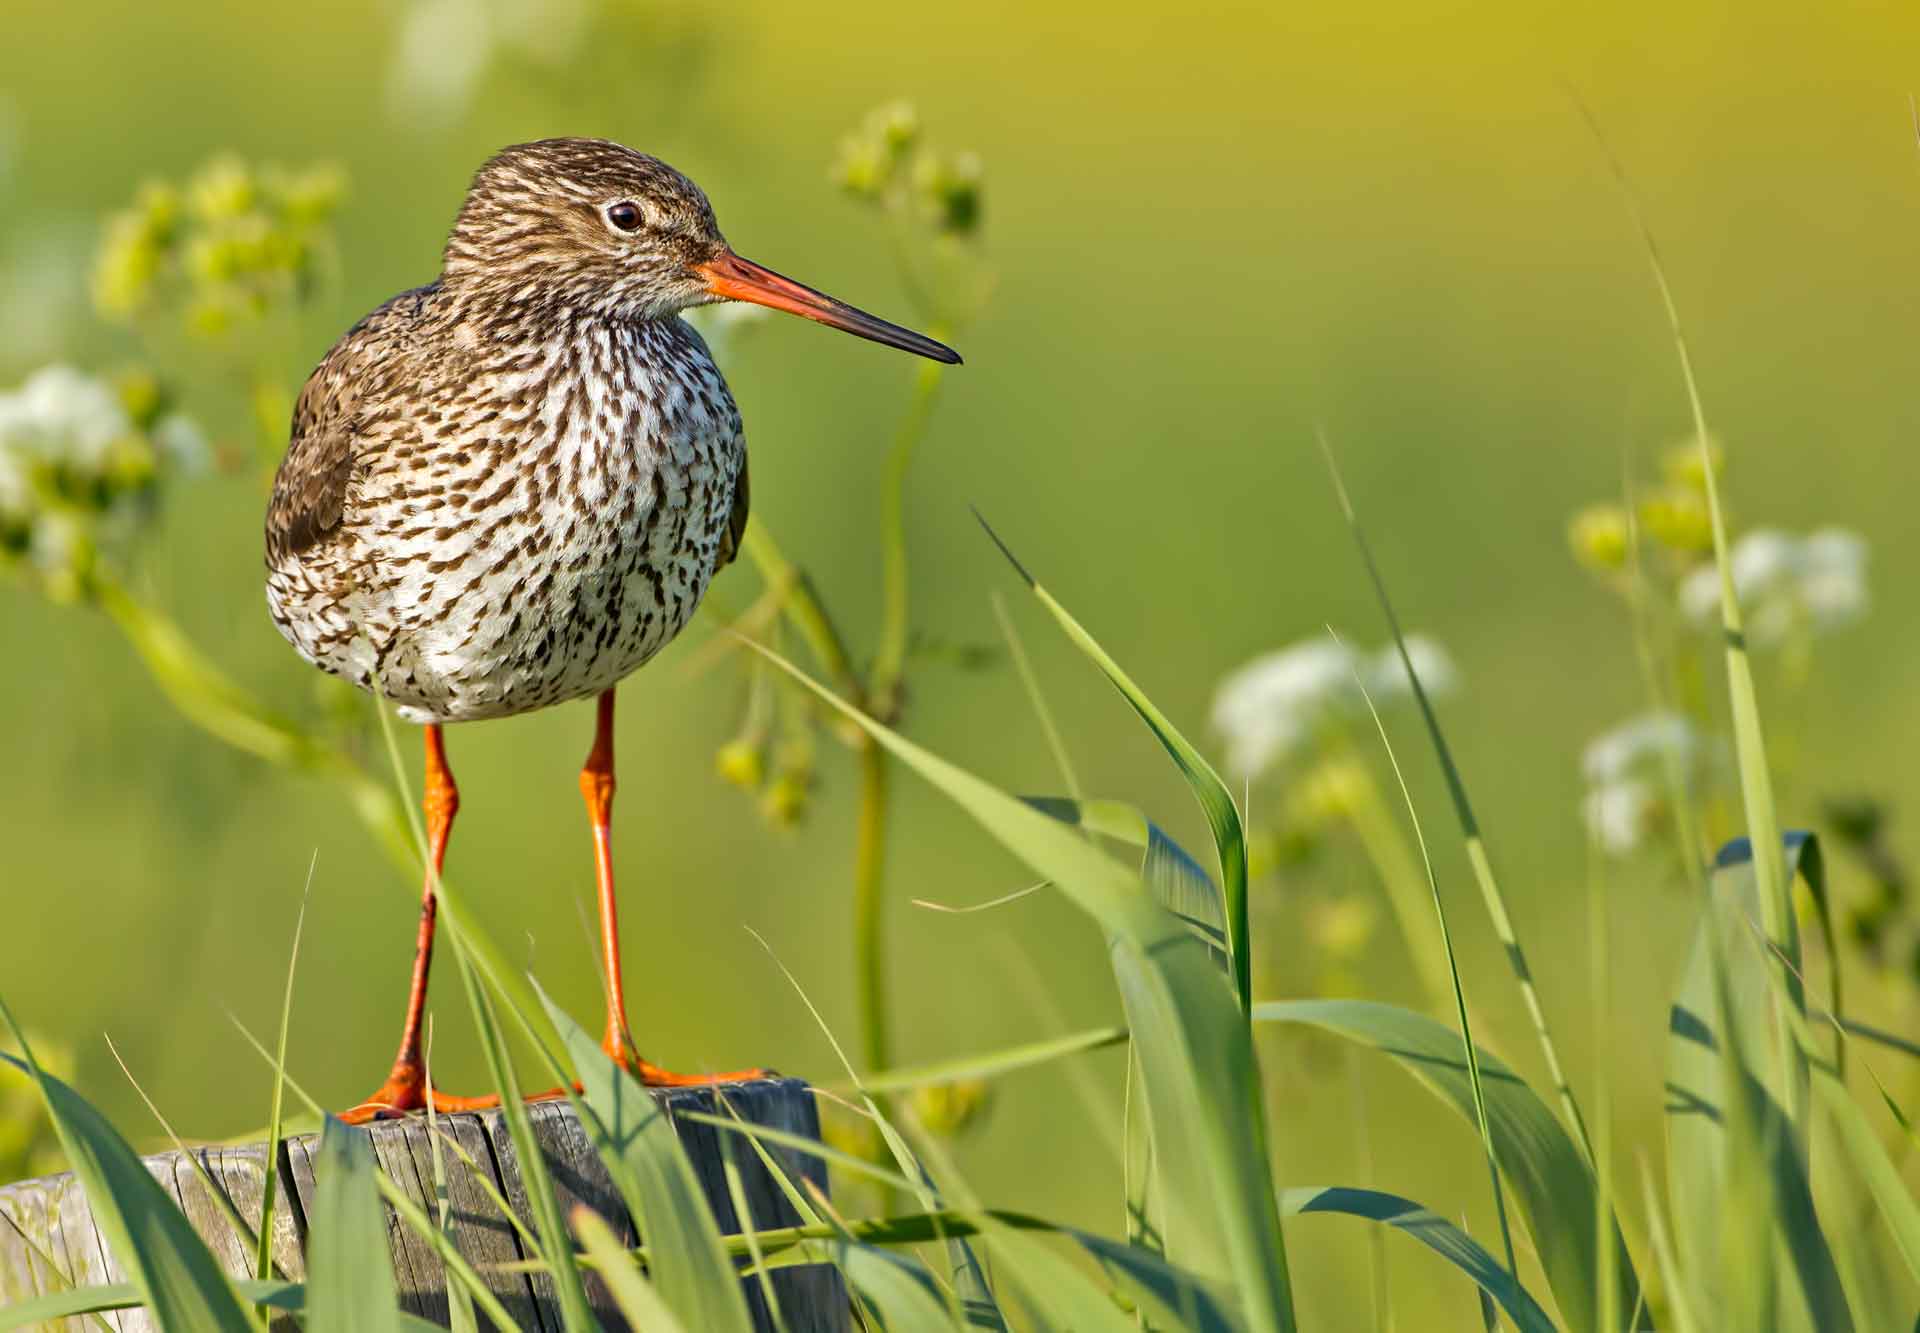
509,488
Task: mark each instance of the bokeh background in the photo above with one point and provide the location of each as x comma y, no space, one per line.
1212,228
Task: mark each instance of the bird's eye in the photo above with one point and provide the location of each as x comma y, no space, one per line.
624,215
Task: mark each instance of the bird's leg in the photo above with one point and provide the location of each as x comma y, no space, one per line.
406,1086
596,785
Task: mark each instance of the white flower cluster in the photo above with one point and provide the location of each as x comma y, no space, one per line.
444,48
1276,705
1628,771
1815,583
74,461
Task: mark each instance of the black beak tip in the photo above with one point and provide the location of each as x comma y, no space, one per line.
939,351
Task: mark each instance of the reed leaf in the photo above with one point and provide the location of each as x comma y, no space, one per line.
173,1271
1216,802
1194,1045
349,1269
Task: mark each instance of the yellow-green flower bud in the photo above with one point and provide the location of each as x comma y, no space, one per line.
1332,791
223,189
1343,927
1678,519
131,464
157,205
853,1135
740,762
785,801
1598,536
949,1108
312,196
896,125
141,395
861,168
1682,464
125,269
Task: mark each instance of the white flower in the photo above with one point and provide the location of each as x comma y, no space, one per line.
444,48
16,485
63,416
1783,582
1620,814
1274,706
1387,677
182,444
1629,772
1641,746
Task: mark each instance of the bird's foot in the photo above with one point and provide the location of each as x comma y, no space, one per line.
406,1091
653,1076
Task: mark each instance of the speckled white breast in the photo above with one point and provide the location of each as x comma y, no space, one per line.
533,534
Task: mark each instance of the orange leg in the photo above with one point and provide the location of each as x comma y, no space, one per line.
596,785
406,1086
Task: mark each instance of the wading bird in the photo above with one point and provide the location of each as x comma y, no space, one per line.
510,487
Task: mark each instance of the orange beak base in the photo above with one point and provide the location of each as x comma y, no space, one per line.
735,279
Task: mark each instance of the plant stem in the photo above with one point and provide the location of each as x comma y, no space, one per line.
889,658
869,878
803,607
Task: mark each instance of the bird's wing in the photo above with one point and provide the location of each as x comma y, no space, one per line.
356,381
310,491
736,518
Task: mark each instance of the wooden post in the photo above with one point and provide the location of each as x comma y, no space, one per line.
49,1219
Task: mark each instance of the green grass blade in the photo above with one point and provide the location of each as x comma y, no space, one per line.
1433,1231
1551,1181
174,1272
899,1292
1216,802
349,1267
1176,879
1749,740
993,1063
637,1142
637,1298
263,1253
575,1315
1201,1079
1467,1045
276,1294
1017,650
1490,891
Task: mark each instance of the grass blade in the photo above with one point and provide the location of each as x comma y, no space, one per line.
1490,892
1749,741
263,1255
350,1270
636,1297
1433,1231
1216,802
1194,1045
172,1268
994,1063
637,1141
1176,880
1551,1180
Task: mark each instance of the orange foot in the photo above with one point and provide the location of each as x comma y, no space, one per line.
405,1091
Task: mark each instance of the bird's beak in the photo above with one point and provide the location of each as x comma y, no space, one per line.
732,278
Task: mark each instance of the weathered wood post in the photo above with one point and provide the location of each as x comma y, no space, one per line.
49,1218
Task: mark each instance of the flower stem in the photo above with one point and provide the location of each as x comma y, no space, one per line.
869,878
889,658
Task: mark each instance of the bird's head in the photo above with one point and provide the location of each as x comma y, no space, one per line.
593,225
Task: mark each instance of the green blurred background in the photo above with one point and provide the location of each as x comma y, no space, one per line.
1213,228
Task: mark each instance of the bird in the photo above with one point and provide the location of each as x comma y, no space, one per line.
510,488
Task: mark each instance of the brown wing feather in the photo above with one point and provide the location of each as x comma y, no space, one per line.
310,491
736,519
